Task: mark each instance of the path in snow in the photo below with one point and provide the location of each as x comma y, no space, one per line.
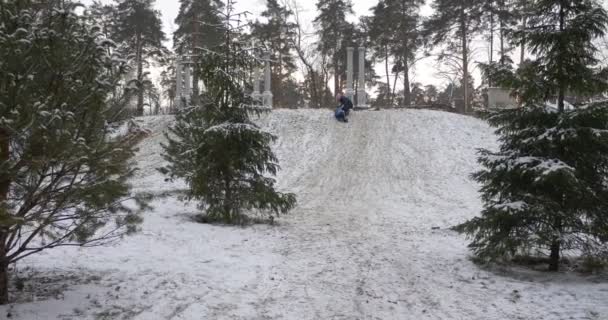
360,245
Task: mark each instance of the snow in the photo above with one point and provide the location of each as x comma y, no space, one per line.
368,240
227,128
515,206
544,166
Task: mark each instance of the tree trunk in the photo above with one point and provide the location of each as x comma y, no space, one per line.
503,54
5,184
522,56
393,94
562,85
140,76
554,257
465,60
316,97
388,78
3,281
491,38
561,99
407,94
228,200
195,73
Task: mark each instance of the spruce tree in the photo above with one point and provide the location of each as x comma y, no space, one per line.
277,36
545,190
225,158
139,25
453,25
63,176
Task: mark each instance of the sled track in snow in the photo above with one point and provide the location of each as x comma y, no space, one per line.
369,238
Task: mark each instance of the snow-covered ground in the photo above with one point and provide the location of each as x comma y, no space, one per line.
368,240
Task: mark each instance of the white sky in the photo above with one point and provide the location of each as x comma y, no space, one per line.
424,72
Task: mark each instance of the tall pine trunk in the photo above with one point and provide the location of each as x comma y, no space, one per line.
503,54
407,92
562,85
524,25
195,76
491,38
4,190
501,23
388,77
465,60
140,76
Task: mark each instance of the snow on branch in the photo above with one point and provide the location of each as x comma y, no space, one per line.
228,128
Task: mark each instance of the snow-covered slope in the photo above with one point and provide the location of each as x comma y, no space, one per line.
368,240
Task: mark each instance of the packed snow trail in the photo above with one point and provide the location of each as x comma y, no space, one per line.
368,240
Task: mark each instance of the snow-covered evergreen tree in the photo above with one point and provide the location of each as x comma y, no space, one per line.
225,158
546,189
63,176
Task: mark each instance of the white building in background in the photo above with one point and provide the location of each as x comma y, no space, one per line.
500,98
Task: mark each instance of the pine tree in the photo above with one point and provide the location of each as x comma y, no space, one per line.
198,27
277,36
225,158
63,177
139,25
545,189
395,32
454,23
332,28
104,16
501,15
381,39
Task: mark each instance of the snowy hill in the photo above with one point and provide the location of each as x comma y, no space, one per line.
368,240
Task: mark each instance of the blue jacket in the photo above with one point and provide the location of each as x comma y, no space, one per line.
340,113
346,103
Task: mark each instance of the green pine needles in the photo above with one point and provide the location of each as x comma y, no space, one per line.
63,174
546,190
225,158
